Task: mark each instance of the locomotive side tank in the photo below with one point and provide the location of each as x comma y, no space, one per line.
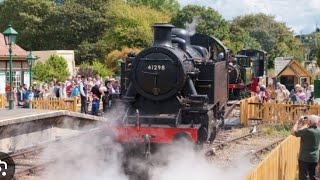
175,89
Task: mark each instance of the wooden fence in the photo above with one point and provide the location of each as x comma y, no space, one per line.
272,112
2,101
280,164
55,104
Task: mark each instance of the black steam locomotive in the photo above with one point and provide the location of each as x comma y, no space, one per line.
244,72
178,88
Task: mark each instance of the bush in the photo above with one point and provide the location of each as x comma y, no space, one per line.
97,68
55,67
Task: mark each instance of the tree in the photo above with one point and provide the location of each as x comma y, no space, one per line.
112,58
28,18
239,39
129,28
42,25
86,70
58,67
97,68
318,56
166,6
55,67
274,37
101,69
41,72
202,20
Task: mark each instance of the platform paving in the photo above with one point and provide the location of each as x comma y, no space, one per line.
23,115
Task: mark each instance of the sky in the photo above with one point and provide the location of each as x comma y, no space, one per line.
300,15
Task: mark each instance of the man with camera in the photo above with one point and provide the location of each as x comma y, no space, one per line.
309,146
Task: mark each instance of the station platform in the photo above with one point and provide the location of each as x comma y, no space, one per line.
24,115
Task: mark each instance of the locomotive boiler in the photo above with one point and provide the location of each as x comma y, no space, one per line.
178,88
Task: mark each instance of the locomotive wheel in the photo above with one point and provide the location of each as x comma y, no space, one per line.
213,134
202,135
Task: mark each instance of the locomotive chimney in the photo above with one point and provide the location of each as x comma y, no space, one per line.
162,34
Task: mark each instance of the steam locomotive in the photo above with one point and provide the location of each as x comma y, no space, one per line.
178,88
244,72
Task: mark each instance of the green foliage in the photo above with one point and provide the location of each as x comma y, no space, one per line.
166,6
40,72
28,18
44,26
240,39
86,70
318,56
274,37
100,69
278,129
97,67
55,67
112,58
205,20
129,27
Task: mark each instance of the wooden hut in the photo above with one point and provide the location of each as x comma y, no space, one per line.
293,73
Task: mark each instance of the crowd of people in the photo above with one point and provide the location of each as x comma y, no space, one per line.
87,89
301,94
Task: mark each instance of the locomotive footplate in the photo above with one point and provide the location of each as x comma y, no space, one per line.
162,134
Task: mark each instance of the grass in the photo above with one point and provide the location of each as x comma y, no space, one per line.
277,129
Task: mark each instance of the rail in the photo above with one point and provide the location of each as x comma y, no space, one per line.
2,101
55,104
272,112
280,164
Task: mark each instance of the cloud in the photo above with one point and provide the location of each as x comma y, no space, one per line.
299,15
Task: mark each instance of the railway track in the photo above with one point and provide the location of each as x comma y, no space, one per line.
30,161
232,106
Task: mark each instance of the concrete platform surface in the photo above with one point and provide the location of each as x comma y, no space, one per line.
24,115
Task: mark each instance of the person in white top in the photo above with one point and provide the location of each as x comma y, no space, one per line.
52,90
281,94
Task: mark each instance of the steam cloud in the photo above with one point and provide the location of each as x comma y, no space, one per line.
191,27
180,162
86,159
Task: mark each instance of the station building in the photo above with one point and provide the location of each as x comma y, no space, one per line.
20,68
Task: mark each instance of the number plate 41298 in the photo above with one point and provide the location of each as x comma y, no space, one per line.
156,67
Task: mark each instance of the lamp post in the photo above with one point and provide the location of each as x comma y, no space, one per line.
10,36
119,64
30,60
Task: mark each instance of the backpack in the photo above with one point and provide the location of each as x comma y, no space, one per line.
58,93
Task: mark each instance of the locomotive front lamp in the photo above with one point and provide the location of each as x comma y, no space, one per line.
30,60
10,36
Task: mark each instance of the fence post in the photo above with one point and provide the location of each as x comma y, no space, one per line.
75,104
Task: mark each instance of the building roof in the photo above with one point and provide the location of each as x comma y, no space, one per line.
293,67
16,50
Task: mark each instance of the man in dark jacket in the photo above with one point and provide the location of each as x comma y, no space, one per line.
309,147
83,95
97,93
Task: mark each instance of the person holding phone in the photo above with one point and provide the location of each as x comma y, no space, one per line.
309,146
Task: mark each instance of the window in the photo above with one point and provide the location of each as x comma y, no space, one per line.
303,80
16,78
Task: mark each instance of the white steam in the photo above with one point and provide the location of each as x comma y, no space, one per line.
184,163
191,27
